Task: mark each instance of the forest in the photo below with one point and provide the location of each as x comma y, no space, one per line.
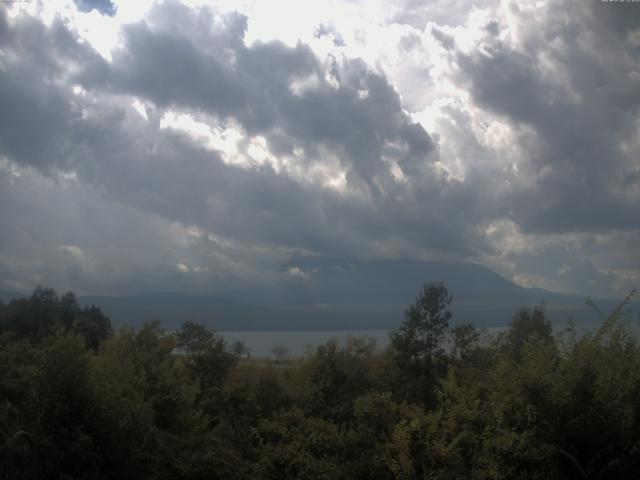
79,400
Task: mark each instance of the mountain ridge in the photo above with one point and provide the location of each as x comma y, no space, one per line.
335,294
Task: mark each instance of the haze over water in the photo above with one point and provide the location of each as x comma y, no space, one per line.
261,343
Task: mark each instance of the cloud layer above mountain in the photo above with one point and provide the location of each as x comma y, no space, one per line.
202,147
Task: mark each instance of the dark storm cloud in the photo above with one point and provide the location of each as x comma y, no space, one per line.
170,71
616,20
39,125
215,73
582,110
358,117
335,113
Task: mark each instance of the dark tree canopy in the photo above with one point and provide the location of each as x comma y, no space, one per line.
209,358
525,325
463,338
420,336
419,340
194,338
148,403
39,315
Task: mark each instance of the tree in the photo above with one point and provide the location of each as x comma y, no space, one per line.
93,325
43,312
207,354
68,309
280,352
338,375
419,339
66,407
194,338
32,317
525,325
463,338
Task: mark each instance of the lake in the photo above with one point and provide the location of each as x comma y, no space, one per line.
261,342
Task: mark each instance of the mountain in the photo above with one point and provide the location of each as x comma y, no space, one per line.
6,296
333,294
174,308
339,294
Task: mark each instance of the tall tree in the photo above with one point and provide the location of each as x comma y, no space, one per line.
419,339
207,354
525,325
463,338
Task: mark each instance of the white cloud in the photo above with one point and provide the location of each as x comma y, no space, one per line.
296,272
74,251
182,268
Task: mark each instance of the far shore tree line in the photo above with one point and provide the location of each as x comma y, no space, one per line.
79,400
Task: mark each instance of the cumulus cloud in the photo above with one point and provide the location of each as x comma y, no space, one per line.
575,91
296,272
487,132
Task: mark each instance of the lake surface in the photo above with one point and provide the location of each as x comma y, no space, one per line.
260,343
296,342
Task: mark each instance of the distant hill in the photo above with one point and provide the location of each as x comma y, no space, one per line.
338,294
6,296
330,294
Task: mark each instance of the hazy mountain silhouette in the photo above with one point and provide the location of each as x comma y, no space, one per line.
6,295
335,294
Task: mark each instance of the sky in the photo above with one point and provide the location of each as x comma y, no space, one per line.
206,146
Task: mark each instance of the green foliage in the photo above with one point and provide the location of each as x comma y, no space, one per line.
463,339
92,325
66,404
337,375
207,355
294,446
256,391
150,404
20,371
525,325
418,343
43,312
420,337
